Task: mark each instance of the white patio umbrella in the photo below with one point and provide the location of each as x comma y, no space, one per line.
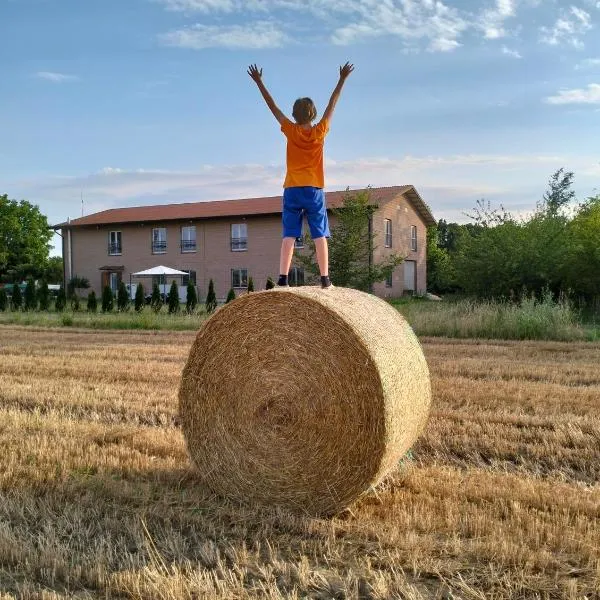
159,270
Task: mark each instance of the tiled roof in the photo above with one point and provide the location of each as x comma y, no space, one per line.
234,208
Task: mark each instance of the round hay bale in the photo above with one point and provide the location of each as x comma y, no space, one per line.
303,397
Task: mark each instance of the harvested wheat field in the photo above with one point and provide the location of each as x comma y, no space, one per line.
500,498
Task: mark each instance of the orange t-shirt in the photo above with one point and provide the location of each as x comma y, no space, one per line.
305,154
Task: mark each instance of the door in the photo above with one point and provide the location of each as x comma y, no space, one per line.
410,275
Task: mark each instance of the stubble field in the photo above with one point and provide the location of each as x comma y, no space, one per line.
499,499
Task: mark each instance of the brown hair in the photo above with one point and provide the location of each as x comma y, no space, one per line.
304,111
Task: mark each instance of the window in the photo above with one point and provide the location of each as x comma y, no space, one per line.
413,238
188,238
239,278
296,276
239,237
159,240
114,243
189,278
388,280
388,233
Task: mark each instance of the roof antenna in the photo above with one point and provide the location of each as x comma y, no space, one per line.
82,203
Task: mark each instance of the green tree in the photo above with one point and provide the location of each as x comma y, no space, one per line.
581,267
107,299
61,300
559,192
270,283
440,268
122,297
230,296
75,302
250,284
211,298
173,298
44,295
156,300
351,247
139,298
92,302
3,299
53,270
24,239
31,300
17,297
191,298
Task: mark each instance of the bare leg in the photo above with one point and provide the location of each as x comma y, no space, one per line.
287,251
322,255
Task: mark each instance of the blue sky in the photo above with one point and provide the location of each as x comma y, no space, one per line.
131,102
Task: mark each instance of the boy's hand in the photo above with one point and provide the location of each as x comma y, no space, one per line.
255,73
346,70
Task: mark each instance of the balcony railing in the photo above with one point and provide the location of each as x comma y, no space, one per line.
159,247
114,248
188,245
239,244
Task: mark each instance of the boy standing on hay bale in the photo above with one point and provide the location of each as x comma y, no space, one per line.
304,180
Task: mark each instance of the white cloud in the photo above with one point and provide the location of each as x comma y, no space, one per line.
55,77
568,29
261,34
588,63
491,21
204,6
589,95
509,52
439,25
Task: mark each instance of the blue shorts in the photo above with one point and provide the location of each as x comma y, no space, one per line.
300,201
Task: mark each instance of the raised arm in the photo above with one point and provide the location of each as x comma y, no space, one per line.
344,72
256,75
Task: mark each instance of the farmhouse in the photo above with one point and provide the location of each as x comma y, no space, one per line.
229,241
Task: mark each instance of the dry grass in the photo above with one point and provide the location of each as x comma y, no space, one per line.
501,498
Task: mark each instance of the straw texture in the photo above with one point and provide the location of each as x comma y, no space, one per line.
303,397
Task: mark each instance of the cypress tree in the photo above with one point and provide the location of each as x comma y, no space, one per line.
61,300
92,302
173,298
107,299
211,298
139,298
30,296
122,297
44,295
230,295
3,299
156,301
191,298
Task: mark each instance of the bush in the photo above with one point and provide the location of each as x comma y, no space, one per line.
92,302
3,300
75,283
122,298
17,298
30,295
67,320
139,298
270,284
173,298
61,300
250,284
156,301
211,298
191,299
230,296
44,295
107,299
